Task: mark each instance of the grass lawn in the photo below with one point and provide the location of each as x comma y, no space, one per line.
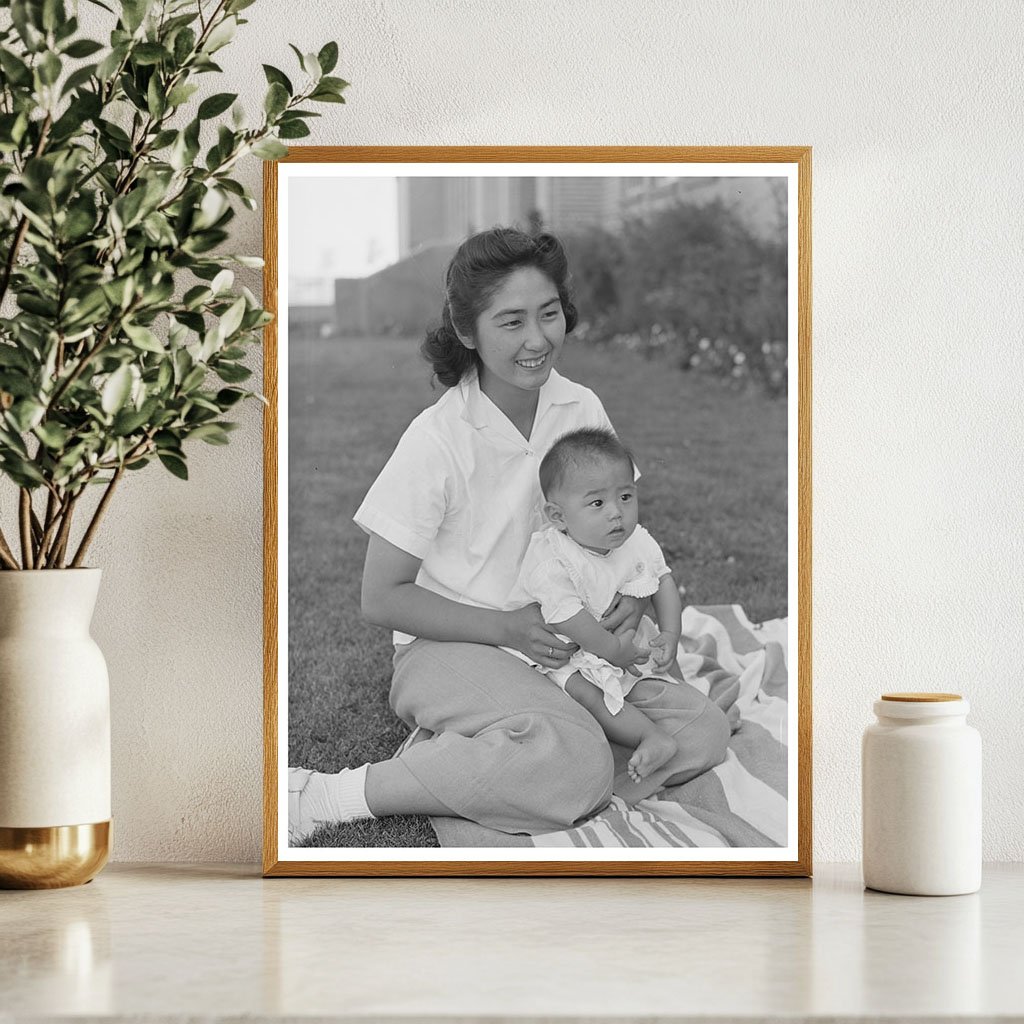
713,494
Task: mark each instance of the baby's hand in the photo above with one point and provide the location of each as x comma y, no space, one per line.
628,653
664,648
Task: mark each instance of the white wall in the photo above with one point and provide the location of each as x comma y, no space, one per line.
913,110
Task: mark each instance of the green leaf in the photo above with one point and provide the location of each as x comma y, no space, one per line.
144,338
334,84
27,23
128,421
293,130
163,139
164,376
181,94
175,464
11,441
234,6
10,355
232,373
227,397
21,471
255,262
156,98
116,134
134,13
217,104
221,35
53,435
14,68
38,305
269,149
222,282
328,57
49,68
232,319
109,65
311,66
196,296
184,44
325,96
276,77
54,15
116,390
83,48
149,53
211,433
26,414
129,207
276,100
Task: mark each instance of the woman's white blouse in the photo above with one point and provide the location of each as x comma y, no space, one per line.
461,490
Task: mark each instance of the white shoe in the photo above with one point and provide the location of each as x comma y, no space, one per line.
299,828
348,801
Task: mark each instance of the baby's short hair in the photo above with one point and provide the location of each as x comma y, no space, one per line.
577,448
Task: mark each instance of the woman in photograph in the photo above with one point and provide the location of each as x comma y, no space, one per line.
449,520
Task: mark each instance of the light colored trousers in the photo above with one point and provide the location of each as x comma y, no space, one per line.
513,751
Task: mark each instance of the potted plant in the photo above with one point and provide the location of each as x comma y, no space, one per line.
122,339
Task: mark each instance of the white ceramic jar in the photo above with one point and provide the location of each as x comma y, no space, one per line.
921,791
54,731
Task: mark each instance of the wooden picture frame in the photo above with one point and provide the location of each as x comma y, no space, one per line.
787,170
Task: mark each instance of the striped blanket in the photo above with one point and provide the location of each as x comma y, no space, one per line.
742,802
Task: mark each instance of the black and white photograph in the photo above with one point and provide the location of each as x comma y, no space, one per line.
538,581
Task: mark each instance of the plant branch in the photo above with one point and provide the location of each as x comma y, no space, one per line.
6,555
88,356
25,520
60,544
22,229
94,523
52,523
37,528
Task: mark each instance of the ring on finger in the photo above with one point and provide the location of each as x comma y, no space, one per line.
551,652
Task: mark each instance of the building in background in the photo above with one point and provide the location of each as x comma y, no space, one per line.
435,214
443,211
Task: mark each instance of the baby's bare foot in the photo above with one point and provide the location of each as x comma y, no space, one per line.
656,749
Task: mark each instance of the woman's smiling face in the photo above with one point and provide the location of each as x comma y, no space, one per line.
519,334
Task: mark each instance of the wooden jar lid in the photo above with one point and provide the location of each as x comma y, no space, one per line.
920,698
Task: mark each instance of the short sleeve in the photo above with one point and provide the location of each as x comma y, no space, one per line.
406,504
651,553
546,578
647,565
550,585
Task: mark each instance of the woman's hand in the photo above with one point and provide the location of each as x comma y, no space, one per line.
527,632
624,613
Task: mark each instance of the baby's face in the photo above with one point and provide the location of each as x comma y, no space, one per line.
596,504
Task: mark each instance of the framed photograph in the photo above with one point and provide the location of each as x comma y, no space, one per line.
537,511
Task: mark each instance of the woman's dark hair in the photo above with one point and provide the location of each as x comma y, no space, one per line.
475,273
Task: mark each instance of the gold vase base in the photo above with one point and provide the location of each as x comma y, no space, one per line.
54,857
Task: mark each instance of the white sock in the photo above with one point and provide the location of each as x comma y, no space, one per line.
340,797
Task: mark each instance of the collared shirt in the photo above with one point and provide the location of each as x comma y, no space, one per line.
461,490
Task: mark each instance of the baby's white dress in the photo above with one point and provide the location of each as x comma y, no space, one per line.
565,578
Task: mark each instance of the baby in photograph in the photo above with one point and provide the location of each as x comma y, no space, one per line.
593,549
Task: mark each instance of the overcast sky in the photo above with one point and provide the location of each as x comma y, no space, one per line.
341,227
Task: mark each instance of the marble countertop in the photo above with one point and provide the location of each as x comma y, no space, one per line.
176,941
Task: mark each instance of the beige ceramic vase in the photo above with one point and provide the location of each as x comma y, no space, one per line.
54,731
